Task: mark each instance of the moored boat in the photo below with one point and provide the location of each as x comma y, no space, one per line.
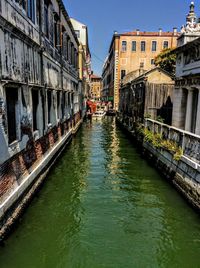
99,114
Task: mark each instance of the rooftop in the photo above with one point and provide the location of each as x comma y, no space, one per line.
95,76
159,33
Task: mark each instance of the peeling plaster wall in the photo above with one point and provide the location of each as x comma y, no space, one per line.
3,128
30,62
19,61
15,15
52,76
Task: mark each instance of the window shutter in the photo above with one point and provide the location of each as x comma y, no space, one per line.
64,45
58,35
51,20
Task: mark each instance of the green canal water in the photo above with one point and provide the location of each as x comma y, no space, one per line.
104,206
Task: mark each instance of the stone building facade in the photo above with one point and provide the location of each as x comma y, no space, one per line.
39,90
129,52
96,86
186,112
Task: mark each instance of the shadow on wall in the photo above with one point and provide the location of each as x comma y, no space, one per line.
166,111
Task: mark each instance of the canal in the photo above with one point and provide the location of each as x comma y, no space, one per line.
102,205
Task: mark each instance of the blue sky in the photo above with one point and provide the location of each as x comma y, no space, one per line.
103,17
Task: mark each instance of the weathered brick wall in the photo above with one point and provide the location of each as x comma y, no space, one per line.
13,171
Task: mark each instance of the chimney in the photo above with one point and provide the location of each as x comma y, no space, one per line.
175,31
138,32
160,31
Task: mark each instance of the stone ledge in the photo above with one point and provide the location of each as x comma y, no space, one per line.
183,174
190,162
30,178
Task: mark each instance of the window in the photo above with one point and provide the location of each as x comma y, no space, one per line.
69,100
56,31
11,101
154,46
58,104
72,99
63,104
141,65
49,106
73,60
124,46
77,32
35,102
143,46
31,10
165,44
46,20
123,73
43,115
72,53
38,16
77,59
152,62
67,47
133,45
108,79
69,50
21,3
64,43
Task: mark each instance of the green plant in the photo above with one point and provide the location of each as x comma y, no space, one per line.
167,60
178,154
139,128
157,141
160,119
147,116
148,135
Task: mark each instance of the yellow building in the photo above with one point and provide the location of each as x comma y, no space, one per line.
84,61
96,87
130,52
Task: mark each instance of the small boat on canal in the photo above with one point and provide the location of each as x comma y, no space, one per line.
111,112
99,114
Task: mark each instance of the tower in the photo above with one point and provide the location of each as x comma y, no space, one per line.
191,30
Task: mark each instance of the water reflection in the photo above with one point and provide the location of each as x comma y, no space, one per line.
104,206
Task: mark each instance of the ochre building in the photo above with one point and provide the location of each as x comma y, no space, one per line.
129,52
96,87
84,59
